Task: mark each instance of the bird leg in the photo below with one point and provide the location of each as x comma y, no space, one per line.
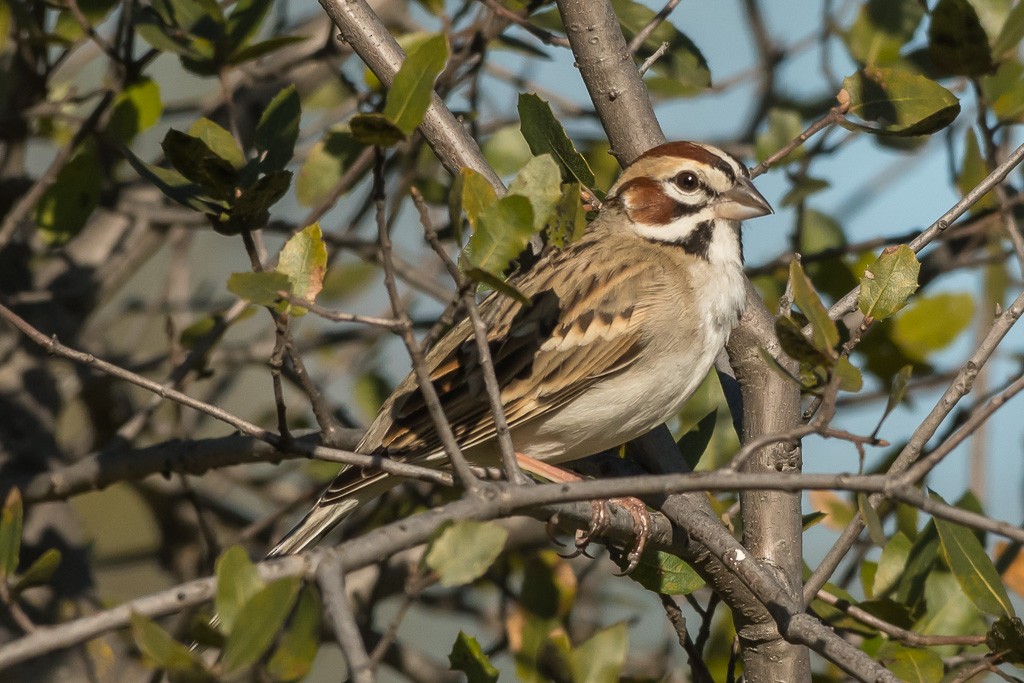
600,515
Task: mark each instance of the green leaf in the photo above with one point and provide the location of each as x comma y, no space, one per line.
503,231
258,622
973,170
166,652
325,163
40,571
506,150
262,289
375,129
10,534
682,70
545,135
796,345
898,390
468,657
850,377
264,47
803,187
496,283
568,220
174,185
244,22
67,204
824,332
539,181
194,160
932,323
891,564
898,102
973,568
912,665
237,578
464,550
920,564
871,520
693,443
304,260
478,195
957,43
881,29
1004,91
1006,638
278,130
889,282
251,210
293,658
1012,32
413,87
601,657
135,109
218,140
784,125
661,572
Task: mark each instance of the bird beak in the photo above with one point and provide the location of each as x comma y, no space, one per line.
742,202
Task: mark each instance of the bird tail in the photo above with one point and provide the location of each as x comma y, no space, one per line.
350,490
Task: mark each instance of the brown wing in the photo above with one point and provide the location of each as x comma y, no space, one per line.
581,326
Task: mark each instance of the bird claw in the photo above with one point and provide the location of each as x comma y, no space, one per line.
637,510
600,520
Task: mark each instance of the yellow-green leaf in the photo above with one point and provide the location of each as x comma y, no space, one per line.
932,323
167,653
237,581
973,568
568,220
411,91
891,564
601,657
881,29
539,181
503,231
258,622
220,142
972,171
468,657
293,658
545,135
324,165
464,550
478,195
889,282
1011,33
850,377
825,334
871,520
40,571
784,125
304,260
262,289
912,665
10,534
898,102
135,109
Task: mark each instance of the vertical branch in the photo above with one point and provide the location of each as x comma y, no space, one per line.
330,578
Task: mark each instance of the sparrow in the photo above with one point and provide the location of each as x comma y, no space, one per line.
622,327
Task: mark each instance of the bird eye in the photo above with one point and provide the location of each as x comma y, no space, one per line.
687,180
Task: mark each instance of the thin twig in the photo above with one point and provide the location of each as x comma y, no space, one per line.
330,577
834,115
508,455
443,428
543,35
903,635
655,56
643,34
